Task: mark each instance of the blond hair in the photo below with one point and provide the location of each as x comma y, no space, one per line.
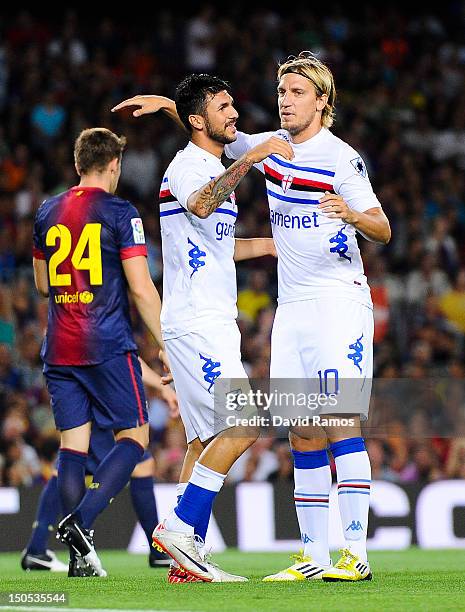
310,67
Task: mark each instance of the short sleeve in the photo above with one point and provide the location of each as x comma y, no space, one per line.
38,247
185,178
130,233
352,183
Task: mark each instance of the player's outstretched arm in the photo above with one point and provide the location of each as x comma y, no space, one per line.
151,104
40,275
206,200
249,248
145,295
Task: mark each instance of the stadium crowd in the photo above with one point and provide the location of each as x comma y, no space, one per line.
401,92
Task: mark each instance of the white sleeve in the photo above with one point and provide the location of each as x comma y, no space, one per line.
185,178
245,142
352,183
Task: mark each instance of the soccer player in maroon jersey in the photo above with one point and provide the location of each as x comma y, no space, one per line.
89,249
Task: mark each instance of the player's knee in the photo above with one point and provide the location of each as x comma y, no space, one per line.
244,437
195,449
306,445
138,434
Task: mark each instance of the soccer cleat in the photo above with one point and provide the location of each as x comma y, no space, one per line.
47,561
303,569
183,549
80,541
349,568
176,575
79,568
159,559
220,575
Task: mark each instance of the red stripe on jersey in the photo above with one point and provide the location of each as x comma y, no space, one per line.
165,193
133,251
37,253
298,180
71,323
318,184
272,172
136,390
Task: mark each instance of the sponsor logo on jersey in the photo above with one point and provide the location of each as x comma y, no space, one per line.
84,297
225,229
138,230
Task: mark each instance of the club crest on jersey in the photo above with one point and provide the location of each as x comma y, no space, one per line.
286,182
138,230
359,166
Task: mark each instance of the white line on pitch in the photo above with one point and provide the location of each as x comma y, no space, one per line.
71,609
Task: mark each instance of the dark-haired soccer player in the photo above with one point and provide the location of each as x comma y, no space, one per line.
89,248
198,214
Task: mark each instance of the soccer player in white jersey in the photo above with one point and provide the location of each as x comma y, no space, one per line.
324,323
198,214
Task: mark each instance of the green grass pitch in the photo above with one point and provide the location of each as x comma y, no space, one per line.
408,580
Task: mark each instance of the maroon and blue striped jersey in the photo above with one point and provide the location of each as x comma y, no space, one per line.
83,235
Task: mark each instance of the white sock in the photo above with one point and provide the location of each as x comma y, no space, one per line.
180,488
311,497
206,478
354,480
174,523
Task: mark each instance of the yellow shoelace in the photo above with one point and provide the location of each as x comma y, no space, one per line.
300,558
346,559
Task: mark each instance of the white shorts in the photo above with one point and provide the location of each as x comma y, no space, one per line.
198,360
328,340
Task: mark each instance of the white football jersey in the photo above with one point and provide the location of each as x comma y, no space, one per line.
199,274
317,256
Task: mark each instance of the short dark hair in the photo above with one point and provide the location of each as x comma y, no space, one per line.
191,95
95,148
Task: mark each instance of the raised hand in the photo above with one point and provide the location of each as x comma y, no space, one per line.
148,104
272,146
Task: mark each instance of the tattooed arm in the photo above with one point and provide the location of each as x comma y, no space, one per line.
207,199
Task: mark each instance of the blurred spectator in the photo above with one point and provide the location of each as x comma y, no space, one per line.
140,167
47,120
254,296
452,303
401,89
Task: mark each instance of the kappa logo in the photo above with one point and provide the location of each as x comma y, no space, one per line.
340,242
286,182
208,369
306,538
355,526
357,355
195,254
359,166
